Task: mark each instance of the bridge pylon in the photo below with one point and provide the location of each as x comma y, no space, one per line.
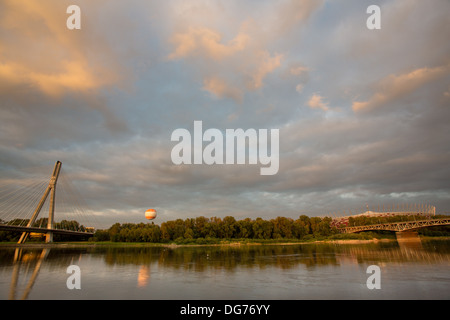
51,189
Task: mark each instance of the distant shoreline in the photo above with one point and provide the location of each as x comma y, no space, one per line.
174,245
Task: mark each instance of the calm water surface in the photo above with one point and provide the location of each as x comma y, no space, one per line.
311,271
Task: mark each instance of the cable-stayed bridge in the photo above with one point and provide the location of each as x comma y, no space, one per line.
30,206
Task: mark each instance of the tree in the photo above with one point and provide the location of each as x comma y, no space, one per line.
315,225
262,229
229,227
188,234
114,232
167,230
325,226
301,227
101,235
200,227
282,227
244,228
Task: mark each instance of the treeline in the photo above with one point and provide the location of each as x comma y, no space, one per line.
203,230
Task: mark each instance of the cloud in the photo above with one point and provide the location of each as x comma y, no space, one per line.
265,64
397,86
227,68
72,76
316,102
293,12
59,63
447,93
242,61
207,43
299,88
232,64
219,88
298,70
44,64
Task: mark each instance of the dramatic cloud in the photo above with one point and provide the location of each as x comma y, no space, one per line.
363,114
397,86
57,61
242,60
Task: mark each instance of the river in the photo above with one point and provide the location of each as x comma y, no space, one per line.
407,270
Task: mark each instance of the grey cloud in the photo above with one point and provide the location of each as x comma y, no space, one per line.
114,140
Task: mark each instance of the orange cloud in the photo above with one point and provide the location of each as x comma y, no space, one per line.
228,68
73,75
243,61
265,65
316,102
395,86
40,52
219,88
206,42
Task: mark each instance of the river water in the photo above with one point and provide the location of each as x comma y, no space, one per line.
310,271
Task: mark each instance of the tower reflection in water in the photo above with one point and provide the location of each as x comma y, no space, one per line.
25,260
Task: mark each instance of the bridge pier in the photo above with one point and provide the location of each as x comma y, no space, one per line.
49,237
407,235
409,240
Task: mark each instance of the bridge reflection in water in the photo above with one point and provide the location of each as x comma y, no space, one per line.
25,260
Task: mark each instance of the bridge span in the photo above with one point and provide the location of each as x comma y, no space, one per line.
28,230
397,226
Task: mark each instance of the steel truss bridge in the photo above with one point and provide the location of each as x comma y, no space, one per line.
397,226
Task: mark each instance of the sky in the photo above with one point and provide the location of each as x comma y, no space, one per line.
363,115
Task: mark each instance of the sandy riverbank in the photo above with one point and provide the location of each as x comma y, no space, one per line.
174,245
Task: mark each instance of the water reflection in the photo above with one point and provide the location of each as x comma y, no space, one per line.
401,252
140,262
26,260
412,244
143,276
229,258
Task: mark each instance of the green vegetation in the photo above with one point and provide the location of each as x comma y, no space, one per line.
214,230
202,230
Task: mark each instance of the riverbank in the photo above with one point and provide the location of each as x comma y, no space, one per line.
222,243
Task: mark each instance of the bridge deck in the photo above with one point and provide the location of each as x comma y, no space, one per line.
398,226
43,230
